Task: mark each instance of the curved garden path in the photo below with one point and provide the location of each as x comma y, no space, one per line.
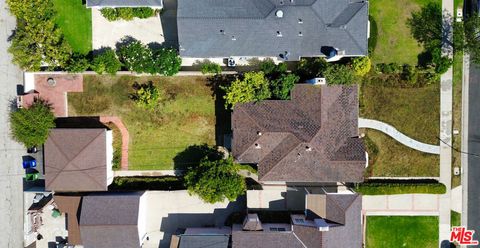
398,136
125,137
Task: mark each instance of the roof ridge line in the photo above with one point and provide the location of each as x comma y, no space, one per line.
284,155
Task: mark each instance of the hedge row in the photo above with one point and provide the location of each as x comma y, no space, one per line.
147,183
400,188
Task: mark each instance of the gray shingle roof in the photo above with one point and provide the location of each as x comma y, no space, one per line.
204,241
260,239
249,27
311,138
110,220
125,3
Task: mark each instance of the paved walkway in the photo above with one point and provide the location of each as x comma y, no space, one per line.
397,135
11,172
446,102
406,204
125,137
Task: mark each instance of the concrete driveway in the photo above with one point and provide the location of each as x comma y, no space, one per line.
169,210
107,34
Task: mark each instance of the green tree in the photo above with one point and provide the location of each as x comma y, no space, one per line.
309,68
282,86
166,61
106,61
135,56
115,14
472,37
272,70
37,40
253,87
32,125
215,180
339,74
361,66
441,63
426,25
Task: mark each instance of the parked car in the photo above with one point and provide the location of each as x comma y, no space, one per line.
31,176
29,163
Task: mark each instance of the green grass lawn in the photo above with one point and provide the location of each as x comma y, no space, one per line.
455,218
186,117
75,20
402,231
413,111
395,42
457,114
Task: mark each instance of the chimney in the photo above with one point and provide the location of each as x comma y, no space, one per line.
252,223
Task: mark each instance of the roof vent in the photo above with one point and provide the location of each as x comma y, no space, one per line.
257,146
308,148
300,20
279,13
233,37
222,31
279,34
300,34
259,133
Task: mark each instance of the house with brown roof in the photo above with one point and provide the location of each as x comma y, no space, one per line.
311,138
78,159
105,220
330,220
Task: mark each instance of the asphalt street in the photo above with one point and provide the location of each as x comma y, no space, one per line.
474,148
11,184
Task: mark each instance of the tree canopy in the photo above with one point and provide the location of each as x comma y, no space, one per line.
472,37
339,74
32,125
215,180
106,61
426,25
252,87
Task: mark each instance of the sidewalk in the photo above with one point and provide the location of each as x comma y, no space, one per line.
125,137
405,204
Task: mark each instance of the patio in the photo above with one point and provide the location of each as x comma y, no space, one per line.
107,34
52,88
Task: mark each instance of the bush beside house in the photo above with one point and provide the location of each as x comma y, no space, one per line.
127,14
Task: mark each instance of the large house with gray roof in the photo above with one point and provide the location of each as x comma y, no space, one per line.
281,29
312,138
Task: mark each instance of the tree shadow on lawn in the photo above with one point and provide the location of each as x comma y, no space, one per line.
191,156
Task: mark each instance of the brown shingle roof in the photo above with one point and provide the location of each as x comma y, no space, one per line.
110,220
311,138
70,206
75,160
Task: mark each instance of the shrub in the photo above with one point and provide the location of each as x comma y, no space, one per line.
309,68
389,68
361,66
135,56
166,61
253,87
32,125
339,74
77,63
282,86
409,74
441,63
372,41
210,67
215,180
106,61
272,70
400,188
37,40
146,95
115,14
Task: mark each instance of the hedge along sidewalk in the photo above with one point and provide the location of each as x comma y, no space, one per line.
399,188
147,183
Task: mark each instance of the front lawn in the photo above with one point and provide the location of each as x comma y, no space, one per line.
415,112
185,117
75,20
394,41
402,231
